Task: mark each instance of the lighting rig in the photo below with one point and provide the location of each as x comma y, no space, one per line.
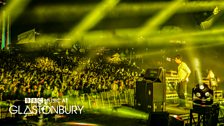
203,105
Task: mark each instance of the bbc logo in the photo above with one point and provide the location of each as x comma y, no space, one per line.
34,100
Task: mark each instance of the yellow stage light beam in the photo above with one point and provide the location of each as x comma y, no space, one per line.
197,66
217,13
90,20
15,7
124,37
152,7
153,24
188,35
59,12
187,48
64,12
121,37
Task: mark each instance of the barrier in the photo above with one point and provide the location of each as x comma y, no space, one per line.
92,101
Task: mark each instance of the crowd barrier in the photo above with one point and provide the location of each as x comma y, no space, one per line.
91,101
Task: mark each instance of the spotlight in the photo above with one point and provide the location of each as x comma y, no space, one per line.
201,87
216,10
202,95
207,94
198,94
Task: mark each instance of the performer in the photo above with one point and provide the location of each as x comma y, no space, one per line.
212,80
183,74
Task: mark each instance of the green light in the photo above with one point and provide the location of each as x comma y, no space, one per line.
8,31
124,112
3,31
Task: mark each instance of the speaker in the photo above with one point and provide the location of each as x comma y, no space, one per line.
150,96
158,119
154,74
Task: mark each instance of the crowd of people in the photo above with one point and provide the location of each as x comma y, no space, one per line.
24,75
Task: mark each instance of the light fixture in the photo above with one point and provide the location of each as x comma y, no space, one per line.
201,87
216,10
202,95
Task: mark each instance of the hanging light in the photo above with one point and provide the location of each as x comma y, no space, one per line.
202,95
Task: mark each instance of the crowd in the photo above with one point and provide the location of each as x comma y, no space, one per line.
45,76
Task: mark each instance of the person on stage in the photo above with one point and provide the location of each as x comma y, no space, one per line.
212,80
183,74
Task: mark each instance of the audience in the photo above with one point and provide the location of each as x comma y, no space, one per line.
22,75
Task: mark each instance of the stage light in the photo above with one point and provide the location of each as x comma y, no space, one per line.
201,87
203,105
202,95
198,94
207,94
216,10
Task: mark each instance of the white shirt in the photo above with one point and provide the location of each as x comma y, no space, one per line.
183,71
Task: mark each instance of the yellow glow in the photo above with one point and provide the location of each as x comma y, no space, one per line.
211,20
152,7
79,124
191,37
120,37
16,7
91,20
125,37
63,11
59,12
207,24
45,39
125,112
197,67
153,24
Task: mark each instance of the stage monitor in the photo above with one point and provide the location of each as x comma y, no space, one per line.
154,74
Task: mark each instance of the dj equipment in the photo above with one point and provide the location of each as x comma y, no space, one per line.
155,74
